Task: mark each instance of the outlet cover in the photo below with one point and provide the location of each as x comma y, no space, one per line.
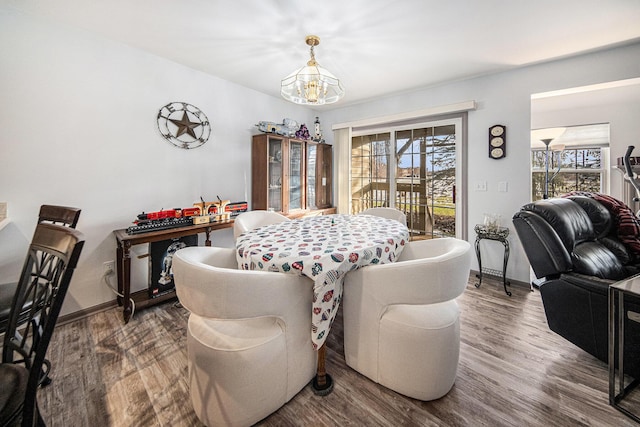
109,267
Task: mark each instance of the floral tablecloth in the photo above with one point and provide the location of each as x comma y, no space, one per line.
323,248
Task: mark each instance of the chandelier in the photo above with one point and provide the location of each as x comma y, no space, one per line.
312,84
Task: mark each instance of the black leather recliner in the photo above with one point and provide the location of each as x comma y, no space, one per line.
571,244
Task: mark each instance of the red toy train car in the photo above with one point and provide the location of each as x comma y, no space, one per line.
145,218
236,208
170,218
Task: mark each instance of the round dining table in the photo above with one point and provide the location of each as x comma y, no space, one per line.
323,248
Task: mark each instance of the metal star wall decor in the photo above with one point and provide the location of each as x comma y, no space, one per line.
183,125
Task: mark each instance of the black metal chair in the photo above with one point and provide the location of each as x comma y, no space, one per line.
61,215
48,268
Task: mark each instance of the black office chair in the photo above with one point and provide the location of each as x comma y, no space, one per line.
51,260
61,215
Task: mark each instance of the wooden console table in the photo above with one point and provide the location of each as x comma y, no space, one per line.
123,261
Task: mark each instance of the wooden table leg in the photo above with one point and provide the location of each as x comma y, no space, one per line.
120,270
322,383
207,233
126,283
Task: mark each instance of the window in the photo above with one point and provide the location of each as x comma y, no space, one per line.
576,161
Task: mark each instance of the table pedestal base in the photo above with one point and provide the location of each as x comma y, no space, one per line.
322,383
324,390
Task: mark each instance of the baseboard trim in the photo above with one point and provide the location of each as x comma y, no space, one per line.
511,281
81,314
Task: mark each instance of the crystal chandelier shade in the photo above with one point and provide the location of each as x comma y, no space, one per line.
312,84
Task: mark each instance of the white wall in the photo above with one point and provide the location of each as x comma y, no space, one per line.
78,128
503,98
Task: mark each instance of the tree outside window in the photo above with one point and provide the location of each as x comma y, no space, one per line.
573,169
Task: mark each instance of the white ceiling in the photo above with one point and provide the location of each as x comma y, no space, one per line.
376,47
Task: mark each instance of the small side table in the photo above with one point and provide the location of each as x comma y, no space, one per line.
617,389
498,234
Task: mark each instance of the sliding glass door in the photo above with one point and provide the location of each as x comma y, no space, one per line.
370,171
411,168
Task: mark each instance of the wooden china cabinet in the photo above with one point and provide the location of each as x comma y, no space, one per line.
291,176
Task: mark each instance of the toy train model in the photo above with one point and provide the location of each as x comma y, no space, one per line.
200,213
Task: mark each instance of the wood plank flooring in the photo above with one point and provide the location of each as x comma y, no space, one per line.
513,371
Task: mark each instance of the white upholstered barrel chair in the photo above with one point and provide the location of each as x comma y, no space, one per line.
248,336
253,219
389,213
401,320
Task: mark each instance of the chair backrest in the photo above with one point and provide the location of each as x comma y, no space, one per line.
253,219
560,236
426,272
61,215
51,260
209,284
446,262
389,213
51,214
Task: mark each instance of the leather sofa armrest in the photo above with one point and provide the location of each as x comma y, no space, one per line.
545,251
588,283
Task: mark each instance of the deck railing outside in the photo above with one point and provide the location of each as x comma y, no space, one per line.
416,205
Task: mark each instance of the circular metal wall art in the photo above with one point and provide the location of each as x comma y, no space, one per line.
183,125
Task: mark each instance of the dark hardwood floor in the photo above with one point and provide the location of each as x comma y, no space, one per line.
513,371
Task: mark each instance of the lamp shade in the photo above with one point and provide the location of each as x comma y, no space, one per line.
547,133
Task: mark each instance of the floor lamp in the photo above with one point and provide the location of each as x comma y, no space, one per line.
547,136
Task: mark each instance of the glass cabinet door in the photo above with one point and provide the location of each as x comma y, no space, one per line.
312,165
274,200
324,185
296,175
290,175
